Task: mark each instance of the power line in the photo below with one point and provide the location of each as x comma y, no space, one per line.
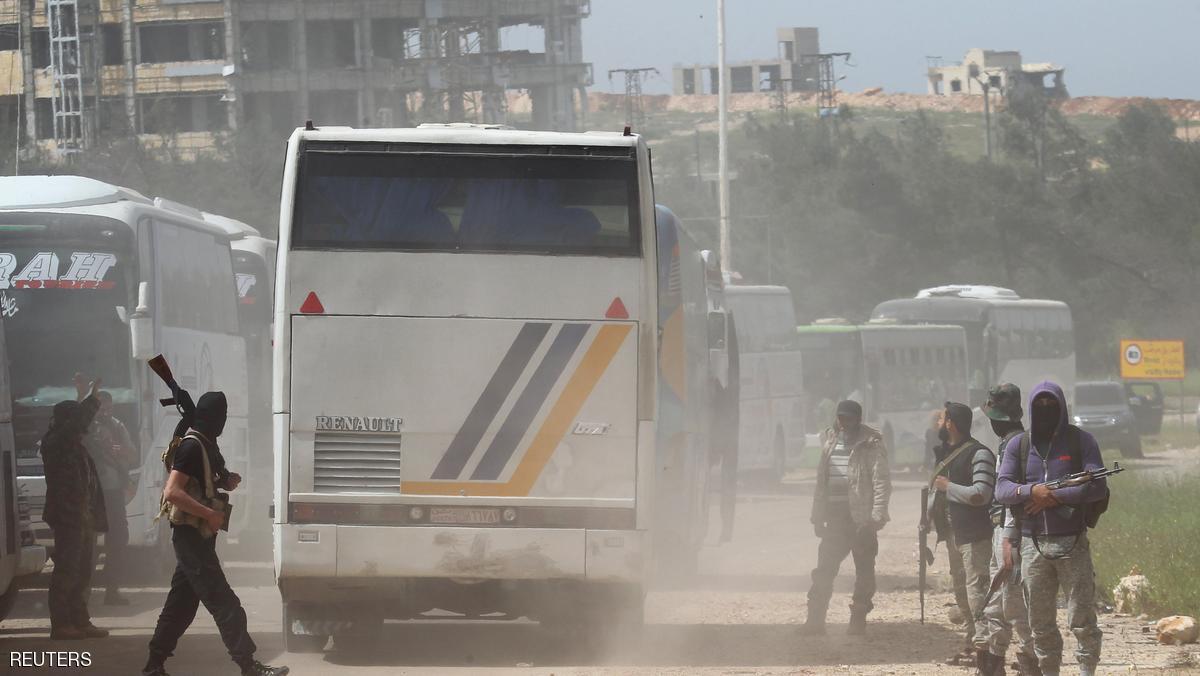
826,79
635,112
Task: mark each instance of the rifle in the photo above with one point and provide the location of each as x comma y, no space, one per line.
924,553
179,397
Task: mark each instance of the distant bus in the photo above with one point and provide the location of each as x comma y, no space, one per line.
900,374
95,279
1009,338
772,410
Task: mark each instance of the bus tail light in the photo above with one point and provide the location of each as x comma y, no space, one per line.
312,305
616,310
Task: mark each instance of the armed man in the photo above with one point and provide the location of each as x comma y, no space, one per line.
1055,553
850,505
1006,611
964,481
196,515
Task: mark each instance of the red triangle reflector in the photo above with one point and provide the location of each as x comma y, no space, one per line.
312,305
617,310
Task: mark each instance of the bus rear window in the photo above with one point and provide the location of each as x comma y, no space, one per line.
511,203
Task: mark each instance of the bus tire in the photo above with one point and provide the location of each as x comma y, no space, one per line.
300,643
8,599
1132,448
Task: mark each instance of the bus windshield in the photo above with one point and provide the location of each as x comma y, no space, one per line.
470,203
60,319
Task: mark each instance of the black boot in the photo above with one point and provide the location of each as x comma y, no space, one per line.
256,668
1027,665
987,664
814,625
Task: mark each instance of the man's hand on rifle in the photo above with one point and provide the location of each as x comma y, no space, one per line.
1040,499
941,484
232,481
1006,567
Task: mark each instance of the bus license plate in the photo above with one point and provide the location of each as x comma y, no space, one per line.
464,515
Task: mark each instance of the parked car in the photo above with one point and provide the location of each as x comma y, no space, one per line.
1102,408
1146,400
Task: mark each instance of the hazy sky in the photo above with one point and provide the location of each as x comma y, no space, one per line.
1109,47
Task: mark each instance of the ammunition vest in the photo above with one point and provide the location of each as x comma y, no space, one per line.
203,492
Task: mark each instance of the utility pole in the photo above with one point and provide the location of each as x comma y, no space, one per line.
987,119
723,141
826,80
635,113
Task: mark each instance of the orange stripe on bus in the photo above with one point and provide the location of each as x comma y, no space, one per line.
593,365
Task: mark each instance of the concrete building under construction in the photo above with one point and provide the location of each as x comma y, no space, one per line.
185,71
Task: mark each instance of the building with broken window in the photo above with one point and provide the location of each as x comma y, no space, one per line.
184,71
793,69
998,70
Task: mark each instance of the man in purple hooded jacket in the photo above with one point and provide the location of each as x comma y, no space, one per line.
1055,553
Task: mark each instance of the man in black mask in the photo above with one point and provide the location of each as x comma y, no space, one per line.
198,576
75,513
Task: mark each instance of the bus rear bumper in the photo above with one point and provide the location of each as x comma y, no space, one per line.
371,556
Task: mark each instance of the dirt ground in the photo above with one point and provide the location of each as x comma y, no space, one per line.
739,616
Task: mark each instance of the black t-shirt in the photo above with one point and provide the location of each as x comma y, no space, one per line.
190,461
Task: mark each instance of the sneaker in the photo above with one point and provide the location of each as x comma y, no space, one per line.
115,599
92,631
67,634
257,668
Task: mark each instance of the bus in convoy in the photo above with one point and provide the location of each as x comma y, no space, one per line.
772,428
901,374
95,279
492,435
20,555
1009,338
254,276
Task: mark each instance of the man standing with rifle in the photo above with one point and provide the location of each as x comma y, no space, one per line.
1055,553
964,481
196,514
1005,610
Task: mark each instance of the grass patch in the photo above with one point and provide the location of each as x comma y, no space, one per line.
1152,522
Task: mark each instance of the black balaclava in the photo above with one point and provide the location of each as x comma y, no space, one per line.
210,414
1003,427
1043,419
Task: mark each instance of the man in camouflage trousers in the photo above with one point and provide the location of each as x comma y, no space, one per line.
1055,553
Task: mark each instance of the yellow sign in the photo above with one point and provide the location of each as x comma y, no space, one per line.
1152,359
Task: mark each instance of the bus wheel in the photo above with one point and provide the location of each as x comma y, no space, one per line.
300,643
8,599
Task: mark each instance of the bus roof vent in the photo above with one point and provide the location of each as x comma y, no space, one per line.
461,125
832,321
60,192
969,291
178,208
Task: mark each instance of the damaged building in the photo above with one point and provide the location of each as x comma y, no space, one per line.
183,72
1000,71
793,68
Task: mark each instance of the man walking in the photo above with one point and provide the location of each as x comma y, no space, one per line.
850,505
75,513
197,469
112,450
1055,553
1007,611
964,481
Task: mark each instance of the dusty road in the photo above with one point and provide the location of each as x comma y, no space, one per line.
739,617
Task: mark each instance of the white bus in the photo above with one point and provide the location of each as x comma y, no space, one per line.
95,279
1009,338
772,412
19,554
467,379
901,375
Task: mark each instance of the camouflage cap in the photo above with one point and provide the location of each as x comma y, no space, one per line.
1004,403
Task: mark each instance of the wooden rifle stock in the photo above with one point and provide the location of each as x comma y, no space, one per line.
160,367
